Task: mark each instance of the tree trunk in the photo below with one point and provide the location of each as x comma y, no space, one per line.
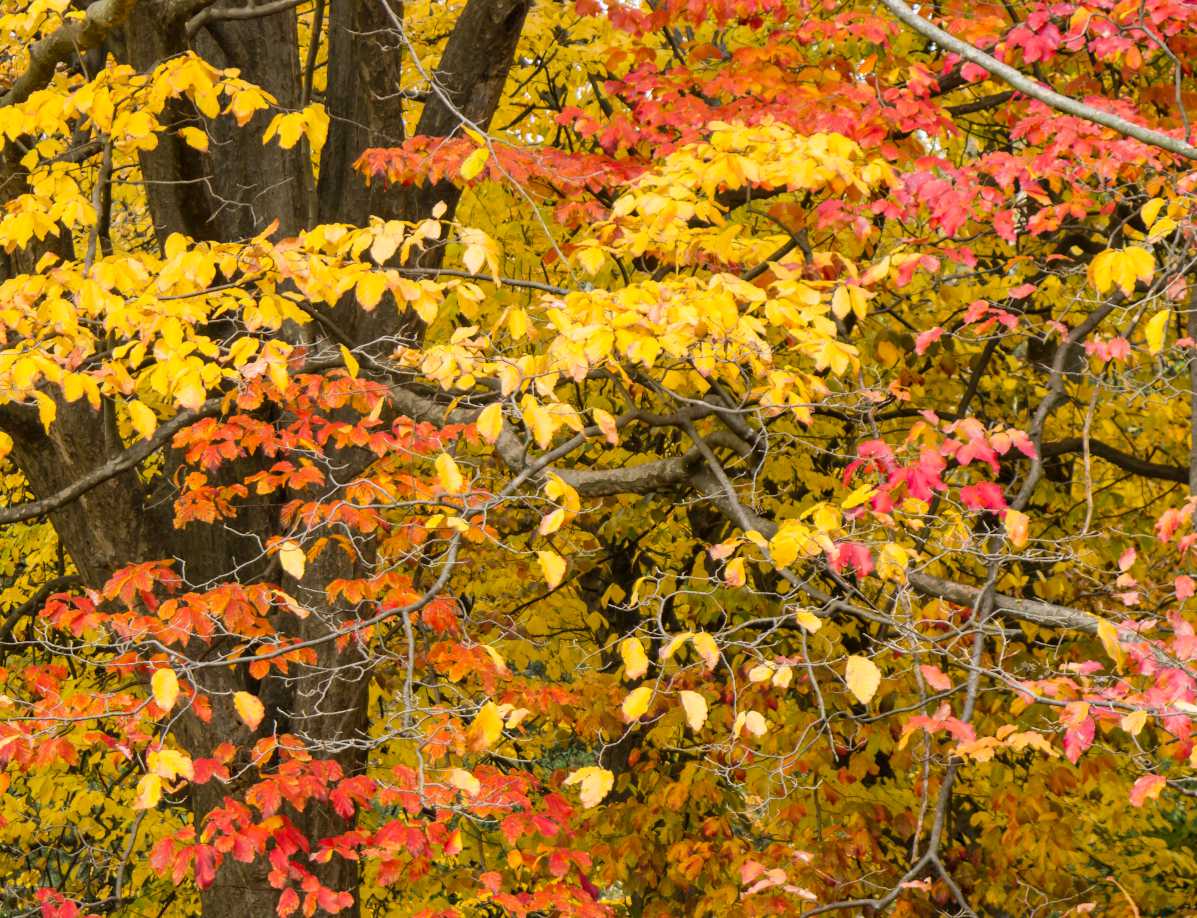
231,192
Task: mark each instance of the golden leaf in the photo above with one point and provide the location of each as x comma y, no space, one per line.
863,678
636,703
696,709
165,687
249,709
595,783
635,661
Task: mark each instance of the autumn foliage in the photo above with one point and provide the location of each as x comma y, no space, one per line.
536,458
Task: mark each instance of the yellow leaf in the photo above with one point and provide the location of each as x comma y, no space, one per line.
595,783
165,686
734,572
863,678
696,709
449,475
486,728
635,661
706,648
1156,329
752,721
671,648
464,781
783,677
143,419
170,764
294,561
1108,635
858,497
149,792
1016,527
1151,210
496,658
351,363
490,422
369,290
474,163
552,565
591,258
636,703
249,709
762,672
808,620
195,138
552,522
1134,722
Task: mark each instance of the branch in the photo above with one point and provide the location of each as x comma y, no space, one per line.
217,14
33,603
119,463
1030,88
1124,461
72,37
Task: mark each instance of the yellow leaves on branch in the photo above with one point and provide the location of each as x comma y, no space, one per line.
595,783
1122,268
249,708
863,678
752,721
310,122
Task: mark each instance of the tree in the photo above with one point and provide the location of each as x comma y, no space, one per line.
724,457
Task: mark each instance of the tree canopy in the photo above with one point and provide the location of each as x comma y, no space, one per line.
597,458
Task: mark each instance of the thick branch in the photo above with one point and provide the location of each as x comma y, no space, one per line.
121,462
1029,87
71,38
1114,456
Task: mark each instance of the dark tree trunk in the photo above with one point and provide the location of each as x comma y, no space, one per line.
231,192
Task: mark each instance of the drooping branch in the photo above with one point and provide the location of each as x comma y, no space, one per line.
1030,88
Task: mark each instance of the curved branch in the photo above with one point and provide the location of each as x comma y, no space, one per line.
1029,87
